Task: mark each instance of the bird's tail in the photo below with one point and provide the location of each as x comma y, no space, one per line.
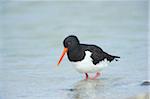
116,57
111,57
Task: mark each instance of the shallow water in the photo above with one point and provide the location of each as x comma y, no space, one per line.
31,43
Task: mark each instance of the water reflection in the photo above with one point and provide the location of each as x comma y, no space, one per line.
87,89
94,89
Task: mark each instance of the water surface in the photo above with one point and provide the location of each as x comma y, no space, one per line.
31,43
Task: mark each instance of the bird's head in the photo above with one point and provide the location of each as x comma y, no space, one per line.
70,43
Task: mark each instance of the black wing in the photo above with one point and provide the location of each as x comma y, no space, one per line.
99,55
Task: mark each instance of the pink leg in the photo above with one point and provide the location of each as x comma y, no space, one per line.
96,76
86,76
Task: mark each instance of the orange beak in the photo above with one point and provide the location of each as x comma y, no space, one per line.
63,53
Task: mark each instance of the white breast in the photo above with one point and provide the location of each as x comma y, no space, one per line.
87,66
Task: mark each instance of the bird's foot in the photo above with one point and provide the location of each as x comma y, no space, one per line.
86,76
96,76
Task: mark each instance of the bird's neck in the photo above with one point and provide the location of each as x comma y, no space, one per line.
76,54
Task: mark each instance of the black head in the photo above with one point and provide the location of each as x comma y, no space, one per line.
71,42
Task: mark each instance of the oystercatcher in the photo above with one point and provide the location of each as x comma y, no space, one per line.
87,58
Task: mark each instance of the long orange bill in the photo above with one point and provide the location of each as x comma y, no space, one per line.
63,53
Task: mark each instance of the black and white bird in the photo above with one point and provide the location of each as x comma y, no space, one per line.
86,57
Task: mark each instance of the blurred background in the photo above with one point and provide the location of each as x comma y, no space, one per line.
31,37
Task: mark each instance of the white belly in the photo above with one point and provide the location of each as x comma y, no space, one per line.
87,66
